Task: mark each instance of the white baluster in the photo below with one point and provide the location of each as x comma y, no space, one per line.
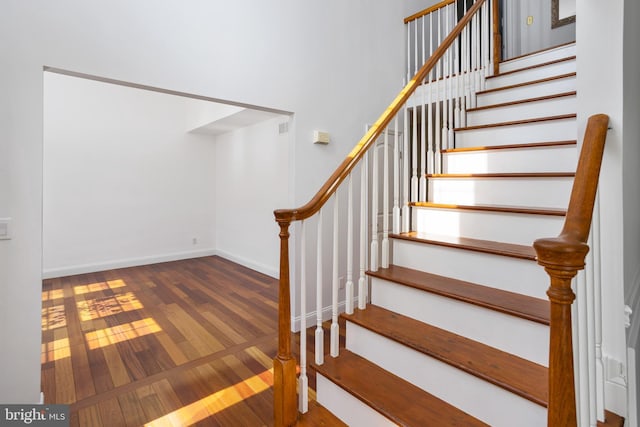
405,175
415,49
580,348
424,42
408,51
396,177
335,330
457,120
414,156
374,210
591,332
490,38
450,98
303,382
438,127
385,202
596,249
485,44
475,43
443,63
422,182
350,232
466,61
319,349
429,140
461,87
445,83
362,281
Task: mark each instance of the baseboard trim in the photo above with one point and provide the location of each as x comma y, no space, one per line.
311,317
124,263
261,268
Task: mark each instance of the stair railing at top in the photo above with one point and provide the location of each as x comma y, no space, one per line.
562,257
360,219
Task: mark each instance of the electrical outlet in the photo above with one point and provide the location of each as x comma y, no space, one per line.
529,20
194,240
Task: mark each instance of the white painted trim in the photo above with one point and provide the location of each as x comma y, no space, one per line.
616,384
633,301
261,268
312,316
123,263
632,391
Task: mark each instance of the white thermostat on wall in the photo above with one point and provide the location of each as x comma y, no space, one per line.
320,137
5,231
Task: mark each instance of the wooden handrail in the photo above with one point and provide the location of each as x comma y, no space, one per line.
562,257
345,168
428,10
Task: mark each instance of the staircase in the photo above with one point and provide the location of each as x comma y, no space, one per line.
456,332
438,225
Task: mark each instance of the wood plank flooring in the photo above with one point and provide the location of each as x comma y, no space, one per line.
181,343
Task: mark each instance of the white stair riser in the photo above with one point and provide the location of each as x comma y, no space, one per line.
481,399
524,111
348,408
528,75
538,58
506,273
550,87
542,159
546,131
539,192
516,228
526,339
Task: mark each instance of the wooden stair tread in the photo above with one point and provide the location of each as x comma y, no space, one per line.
523,101
517,122
477,245
532,67
531,82
522,377
502,175
400,401
611,420
492,208
318,416
525,307
511,146
536,52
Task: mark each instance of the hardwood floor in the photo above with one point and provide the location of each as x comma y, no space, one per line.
181,343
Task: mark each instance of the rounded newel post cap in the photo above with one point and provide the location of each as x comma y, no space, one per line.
561,253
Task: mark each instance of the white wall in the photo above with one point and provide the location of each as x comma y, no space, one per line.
599,30
522,38
631,195
124,183
317,59
252,181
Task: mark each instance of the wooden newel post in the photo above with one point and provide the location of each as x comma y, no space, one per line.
284,364
562,257
561,260
497,36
